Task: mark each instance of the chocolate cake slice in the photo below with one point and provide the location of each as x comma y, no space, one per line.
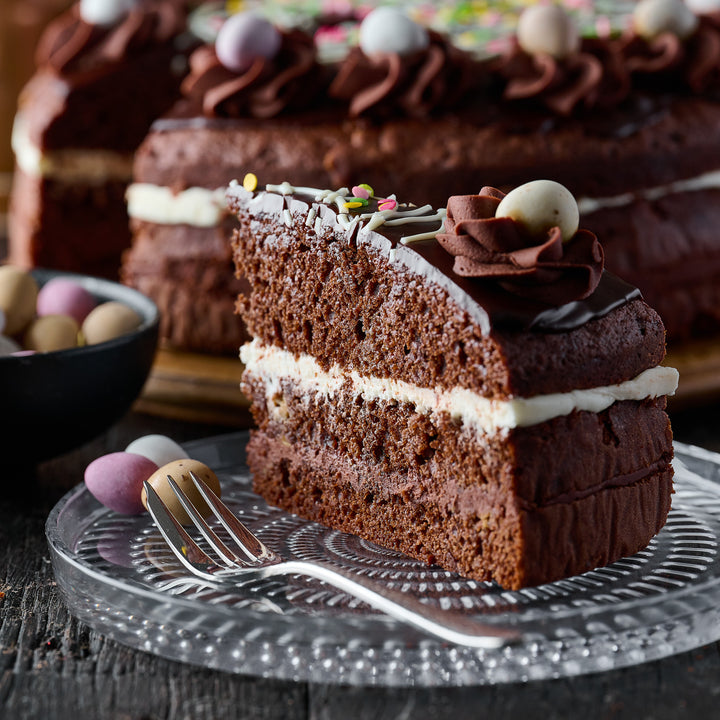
459,388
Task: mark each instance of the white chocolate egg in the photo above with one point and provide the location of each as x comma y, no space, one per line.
547,29
105,13
700,7
656,17
116,480
540,205
108,321
8,346
62,296
179,471
158,448
50,333
18,297
243,38
389,30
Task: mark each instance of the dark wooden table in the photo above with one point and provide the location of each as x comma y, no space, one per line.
56,667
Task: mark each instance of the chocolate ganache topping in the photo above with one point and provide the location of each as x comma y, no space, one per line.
501,249
439,76
78,49
290,80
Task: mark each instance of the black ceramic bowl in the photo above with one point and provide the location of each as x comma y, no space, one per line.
54,402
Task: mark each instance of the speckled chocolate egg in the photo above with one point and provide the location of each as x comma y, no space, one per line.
105,13
62,296
116,480
8,346
655,17
244,38
50,333
18,297
547,29
389,30
180,470
540,205
158,448
108,321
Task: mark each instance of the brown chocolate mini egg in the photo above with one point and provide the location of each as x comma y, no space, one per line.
108,321
180,470
18,297
50,333
547,29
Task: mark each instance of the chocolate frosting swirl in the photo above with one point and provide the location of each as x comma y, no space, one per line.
693,63
593,76
289,81
74,48
438,77
500,249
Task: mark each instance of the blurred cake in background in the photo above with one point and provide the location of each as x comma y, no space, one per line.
21,24
105,71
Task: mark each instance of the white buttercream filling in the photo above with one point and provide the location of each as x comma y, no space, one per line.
69,165
195,206
488,415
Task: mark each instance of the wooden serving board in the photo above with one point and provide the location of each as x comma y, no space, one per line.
699,366
206,388
197,388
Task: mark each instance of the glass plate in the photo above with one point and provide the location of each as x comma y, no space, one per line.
119,577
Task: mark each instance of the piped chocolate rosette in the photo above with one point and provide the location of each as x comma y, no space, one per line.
527,241
550,64
402,66
92,36
669,43
254,70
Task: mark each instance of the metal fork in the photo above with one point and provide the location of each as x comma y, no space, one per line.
258,560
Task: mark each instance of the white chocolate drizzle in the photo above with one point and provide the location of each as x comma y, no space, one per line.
402,214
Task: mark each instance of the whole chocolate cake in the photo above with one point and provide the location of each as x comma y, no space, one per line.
628,121
105,72
472,389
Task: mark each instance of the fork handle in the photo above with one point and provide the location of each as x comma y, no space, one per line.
446,624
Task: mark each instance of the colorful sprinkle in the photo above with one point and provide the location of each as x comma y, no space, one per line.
250,182
354,205
363,191
387,205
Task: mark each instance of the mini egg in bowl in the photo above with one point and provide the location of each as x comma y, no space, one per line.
53,402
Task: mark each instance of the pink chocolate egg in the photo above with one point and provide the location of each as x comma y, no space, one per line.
243,38
62,296
116,480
